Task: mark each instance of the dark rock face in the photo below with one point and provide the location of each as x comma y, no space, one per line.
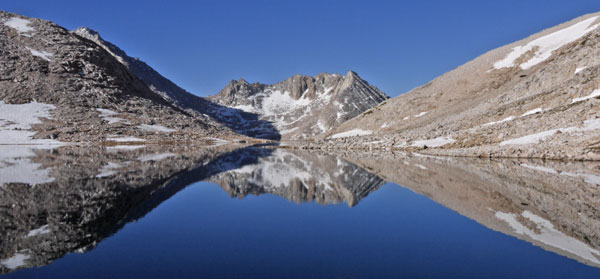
301,107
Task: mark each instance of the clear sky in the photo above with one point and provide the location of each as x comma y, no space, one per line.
395,45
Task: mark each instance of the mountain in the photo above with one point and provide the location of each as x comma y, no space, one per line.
155,81
537,97
57,86
241,122
301,107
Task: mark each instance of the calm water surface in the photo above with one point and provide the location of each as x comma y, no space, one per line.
256,212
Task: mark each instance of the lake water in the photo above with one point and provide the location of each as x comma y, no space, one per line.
144,212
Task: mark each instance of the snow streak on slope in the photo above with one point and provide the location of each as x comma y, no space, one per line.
352,133
544,46
547,234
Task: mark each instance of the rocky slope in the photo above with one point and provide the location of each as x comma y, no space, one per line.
301,107
57,86
241,122
537,97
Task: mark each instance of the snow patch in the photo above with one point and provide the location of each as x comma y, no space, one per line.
421,166
352,133
588,178
589,125
594,94
20,24
15,261
540,168
16,166
124,139
544,46
437,142
533,111
39,231
16,122
284,132
156,128
421,114
42,54
577,70
124,147
109,170
501,121
549,235
155,157
385,125
109,116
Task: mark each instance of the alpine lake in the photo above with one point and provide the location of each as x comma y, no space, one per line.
266,212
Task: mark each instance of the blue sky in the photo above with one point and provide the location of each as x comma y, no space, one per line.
395,45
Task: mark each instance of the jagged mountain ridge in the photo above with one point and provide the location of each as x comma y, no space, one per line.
301,107
533,98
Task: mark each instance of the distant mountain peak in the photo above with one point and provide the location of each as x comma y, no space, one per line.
303,106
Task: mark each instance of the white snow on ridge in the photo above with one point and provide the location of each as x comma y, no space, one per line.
351,133
577,70
545,45
533,111
19,24
437,142
594,94
421,114
156,128
500,121
42,54
589,125
550,236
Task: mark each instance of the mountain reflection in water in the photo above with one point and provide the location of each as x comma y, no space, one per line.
68,199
